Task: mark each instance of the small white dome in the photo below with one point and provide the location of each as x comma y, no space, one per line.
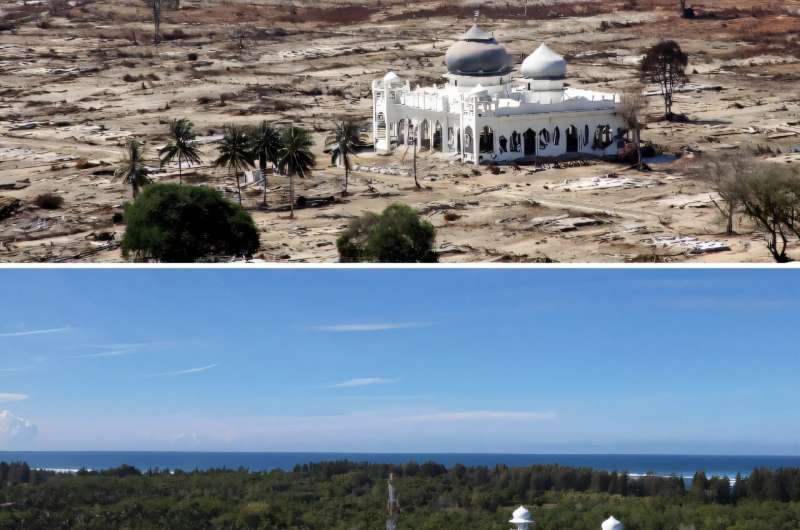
544,63
612,524
391,77
521,516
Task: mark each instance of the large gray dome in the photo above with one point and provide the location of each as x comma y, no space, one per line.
478,54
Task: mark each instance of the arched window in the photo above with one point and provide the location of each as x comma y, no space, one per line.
468,139
401,131
503,144
544,139
602,137
557,136
586,135
516,140
450,139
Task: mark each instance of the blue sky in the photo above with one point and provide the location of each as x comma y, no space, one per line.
663,361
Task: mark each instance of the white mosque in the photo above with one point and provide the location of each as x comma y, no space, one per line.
522,520
487,113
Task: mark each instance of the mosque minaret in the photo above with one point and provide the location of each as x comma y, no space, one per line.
490,112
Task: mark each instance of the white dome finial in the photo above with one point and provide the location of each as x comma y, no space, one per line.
521,518
612,524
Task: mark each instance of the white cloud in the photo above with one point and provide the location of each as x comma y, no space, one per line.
363,381
187,371
483,415
26,333
345,328
10,396
15,431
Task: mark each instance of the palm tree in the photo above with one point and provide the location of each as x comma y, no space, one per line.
132,169
181,146
295,157
234,153
346,137
266,143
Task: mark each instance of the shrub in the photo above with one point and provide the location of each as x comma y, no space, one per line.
49,201
192,56
397,235
182,224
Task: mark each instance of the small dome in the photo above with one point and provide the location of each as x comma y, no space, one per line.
521,516
612,524
477,53
544,63
390,77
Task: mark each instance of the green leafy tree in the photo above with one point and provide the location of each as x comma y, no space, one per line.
132,170
235,153
665,65
184,224
181,146
345,138
266,143
397,235
295,157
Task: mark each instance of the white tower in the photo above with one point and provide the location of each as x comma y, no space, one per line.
393,506
612,524
521,518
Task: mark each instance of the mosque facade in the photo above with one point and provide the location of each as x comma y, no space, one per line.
490,112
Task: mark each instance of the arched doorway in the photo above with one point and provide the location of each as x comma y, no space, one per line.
458,141
487,140
529,142
425,136
572,139
516,142
437,137
468,139
401,132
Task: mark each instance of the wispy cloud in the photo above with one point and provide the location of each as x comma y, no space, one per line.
9,396
25,333
363,381
187,371
354,328
14,370
118,349
482,415
110,353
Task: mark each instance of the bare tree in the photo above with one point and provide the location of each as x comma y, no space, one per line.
156,21
632,110
723,173
769,195
665,65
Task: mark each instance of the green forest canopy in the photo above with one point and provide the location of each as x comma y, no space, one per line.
351,496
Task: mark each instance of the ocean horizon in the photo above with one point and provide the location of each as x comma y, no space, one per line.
635,464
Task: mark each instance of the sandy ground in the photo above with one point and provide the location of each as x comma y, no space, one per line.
75,88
